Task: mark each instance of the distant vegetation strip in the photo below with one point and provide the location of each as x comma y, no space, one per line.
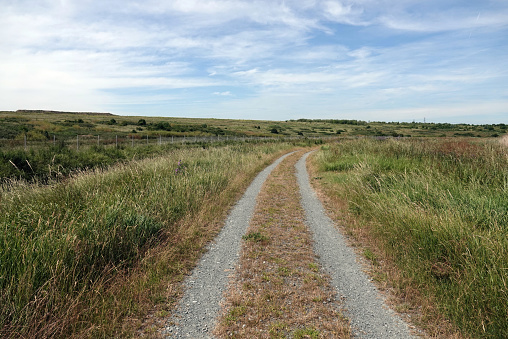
68,250
39,127
438,209
54,162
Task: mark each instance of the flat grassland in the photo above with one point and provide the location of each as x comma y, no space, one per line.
43,125
43,145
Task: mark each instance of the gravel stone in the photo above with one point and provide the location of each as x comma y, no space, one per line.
365,307
200,304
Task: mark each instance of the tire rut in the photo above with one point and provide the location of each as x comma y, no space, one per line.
197,310
369,315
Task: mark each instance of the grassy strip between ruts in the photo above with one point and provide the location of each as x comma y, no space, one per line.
91,256
279,290
432,217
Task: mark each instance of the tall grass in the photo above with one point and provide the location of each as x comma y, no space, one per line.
62,246
440,210
42,164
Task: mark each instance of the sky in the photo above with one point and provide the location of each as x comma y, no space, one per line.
371,60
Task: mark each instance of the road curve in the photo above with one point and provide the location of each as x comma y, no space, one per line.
369,316
200,305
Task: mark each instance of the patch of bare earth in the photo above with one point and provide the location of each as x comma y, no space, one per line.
280,290
402,294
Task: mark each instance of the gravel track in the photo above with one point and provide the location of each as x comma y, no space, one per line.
200,305
369,316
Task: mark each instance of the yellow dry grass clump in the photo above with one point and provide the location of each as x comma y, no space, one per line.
504,140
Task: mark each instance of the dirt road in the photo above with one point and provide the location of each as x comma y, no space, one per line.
198,311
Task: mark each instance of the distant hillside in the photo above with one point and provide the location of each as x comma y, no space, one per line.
59,112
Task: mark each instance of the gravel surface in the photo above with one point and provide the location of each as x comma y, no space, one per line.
200,305
370,317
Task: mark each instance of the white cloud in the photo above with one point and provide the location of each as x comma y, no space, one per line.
227,93
342,13
447,21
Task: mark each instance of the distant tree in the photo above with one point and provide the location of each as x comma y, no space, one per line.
274,131
141,122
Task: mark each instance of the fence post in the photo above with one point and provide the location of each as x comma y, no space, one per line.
147,139
98,140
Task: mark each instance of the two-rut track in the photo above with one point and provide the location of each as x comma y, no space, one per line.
291,276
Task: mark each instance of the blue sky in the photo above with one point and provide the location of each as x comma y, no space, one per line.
373,60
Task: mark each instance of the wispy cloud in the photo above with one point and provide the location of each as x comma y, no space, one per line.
329,56
227,93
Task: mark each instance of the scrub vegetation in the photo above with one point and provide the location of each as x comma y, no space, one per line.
45,126
437,209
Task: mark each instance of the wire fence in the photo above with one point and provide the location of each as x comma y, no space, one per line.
80,142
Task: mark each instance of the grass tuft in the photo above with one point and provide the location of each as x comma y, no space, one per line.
255,236
306,333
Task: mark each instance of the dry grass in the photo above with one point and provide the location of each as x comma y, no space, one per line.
504,140
92,273
280,290
418,309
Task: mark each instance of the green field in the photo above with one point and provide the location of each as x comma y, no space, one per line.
43,145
